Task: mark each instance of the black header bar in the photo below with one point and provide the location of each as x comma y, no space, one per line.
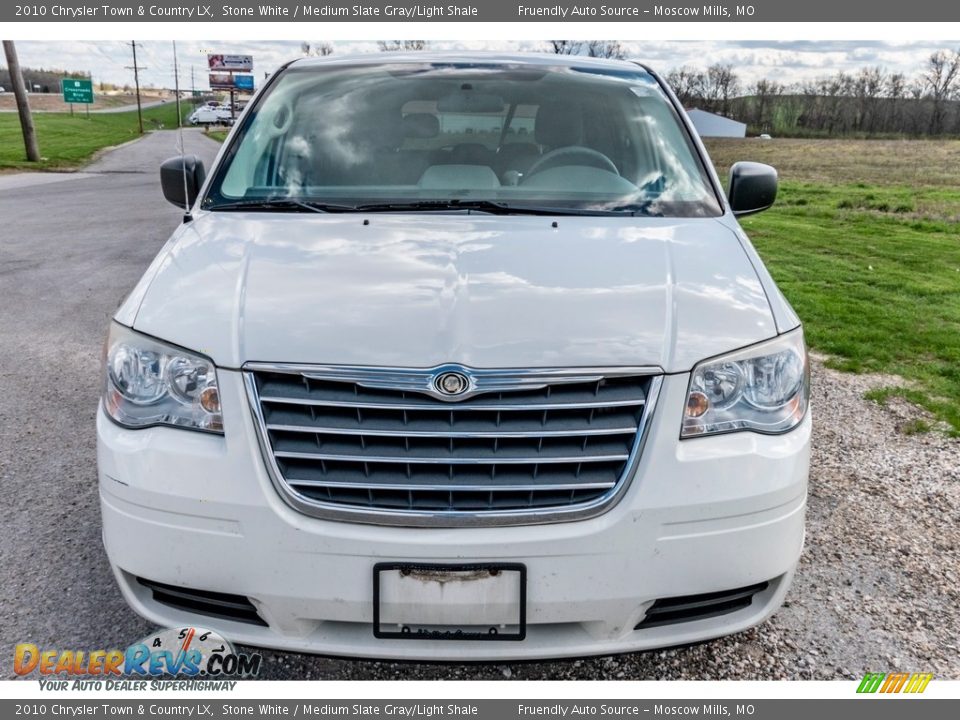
612,11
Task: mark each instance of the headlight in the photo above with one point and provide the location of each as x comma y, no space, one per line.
150,383
764,388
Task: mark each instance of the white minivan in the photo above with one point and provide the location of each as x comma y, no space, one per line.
457,358
211,115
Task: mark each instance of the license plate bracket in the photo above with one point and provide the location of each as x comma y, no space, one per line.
490,597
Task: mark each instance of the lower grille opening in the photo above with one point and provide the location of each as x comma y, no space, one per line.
204,602
687,608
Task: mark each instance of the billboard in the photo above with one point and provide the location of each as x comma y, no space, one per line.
221,81
243,82
228,81
230,63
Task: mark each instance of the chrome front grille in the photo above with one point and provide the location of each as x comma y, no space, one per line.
385,446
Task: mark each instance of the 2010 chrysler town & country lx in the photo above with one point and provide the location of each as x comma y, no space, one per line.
457,357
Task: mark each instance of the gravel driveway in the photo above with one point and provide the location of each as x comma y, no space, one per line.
877,589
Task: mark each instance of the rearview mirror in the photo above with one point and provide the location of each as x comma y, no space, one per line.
181,178
753,188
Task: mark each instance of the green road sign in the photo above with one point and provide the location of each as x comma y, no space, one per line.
77,90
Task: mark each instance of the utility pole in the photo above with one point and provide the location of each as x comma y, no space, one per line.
176,81
136,82
23,106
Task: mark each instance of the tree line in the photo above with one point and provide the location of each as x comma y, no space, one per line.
39,79
866,102
869,101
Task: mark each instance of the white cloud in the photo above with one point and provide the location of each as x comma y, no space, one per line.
786,61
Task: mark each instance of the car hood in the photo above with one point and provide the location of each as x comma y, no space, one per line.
418,290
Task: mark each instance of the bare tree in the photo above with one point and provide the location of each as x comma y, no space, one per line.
592,48
867,88
720,85
565,47
765,92
868,100
834,89
321,49
605,49
394,45
940,79
895,91
689,84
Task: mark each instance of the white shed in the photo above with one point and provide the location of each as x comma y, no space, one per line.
710,124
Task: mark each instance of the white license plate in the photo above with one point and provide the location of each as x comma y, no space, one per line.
449,602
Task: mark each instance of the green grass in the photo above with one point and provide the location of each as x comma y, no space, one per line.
66,142
218,135
874,272
864,241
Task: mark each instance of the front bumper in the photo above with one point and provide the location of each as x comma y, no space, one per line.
700,516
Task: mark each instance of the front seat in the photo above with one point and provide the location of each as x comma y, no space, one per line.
413,162
558,125
470,154
559,130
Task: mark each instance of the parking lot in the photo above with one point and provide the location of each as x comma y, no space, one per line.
877,589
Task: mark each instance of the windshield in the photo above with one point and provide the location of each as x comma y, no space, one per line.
494,137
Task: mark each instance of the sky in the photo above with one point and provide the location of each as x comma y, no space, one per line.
787,62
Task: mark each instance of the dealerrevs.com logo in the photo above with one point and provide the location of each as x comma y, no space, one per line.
201,657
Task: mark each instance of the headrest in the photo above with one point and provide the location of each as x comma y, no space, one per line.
371,130
421,125
470,154
459,177
558,124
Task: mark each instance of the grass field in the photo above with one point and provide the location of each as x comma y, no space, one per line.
53,102
218,135
865,242
66,141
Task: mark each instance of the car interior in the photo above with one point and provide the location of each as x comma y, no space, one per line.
447,134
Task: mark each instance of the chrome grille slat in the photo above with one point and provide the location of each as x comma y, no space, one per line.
532,487
416,405
378,445
452,459
330,430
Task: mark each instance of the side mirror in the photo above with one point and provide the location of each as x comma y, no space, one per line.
177,190
753,188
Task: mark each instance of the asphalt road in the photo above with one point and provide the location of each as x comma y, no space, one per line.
877,587
71,248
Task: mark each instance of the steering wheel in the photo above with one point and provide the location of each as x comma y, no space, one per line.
572,155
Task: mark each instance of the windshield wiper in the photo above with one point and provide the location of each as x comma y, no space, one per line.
649,208
493,207
283,204
485,206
